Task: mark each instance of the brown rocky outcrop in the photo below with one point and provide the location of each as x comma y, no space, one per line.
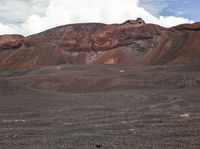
10,41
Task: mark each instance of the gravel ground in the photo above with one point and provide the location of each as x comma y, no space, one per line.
163,112
157,119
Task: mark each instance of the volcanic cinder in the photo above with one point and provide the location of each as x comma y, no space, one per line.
129,85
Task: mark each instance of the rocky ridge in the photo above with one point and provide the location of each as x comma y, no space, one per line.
133,43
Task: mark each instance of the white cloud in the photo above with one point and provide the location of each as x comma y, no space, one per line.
59,12
9,29
172,21
14,11
39,6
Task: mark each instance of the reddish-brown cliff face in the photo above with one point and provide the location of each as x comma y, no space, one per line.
8,45
128,43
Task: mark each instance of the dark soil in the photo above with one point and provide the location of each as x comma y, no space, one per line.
161,117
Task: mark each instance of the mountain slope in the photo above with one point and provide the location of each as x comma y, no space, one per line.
104,78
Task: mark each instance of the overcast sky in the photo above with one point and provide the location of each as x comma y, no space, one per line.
32,16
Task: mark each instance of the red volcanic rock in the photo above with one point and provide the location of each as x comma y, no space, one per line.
94,43
194,27
10,38
137,21
10,41
8,45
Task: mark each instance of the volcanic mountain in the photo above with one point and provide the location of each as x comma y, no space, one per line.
133,43
129,85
